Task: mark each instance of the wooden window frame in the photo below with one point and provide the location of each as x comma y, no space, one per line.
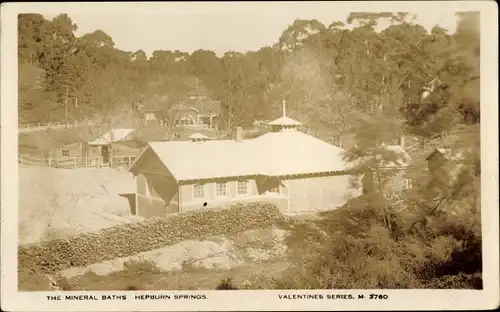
247,188
195,193
217,184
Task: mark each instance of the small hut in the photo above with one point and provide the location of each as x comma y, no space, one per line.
116,146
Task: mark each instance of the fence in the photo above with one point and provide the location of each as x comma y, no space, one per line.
61,162
75,162
53,125
435,141
119,161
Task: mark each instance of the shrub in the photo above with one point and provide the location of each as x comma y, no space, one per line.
364,251
226,284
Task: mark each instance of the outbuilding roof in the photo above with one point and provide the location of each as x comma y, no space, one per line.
112,136
285,121
448,153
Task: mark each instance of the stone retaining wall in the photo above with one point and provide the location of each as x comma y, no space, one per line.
129,239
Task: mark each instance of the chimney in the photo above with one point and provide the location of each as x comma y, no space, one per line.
239,134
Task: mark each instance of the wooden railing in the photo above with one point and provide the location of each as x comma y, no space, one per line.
61,162
435,141
53,125
75,162
117,161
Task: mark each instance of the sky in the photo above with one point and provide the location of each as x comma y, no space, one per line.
223,27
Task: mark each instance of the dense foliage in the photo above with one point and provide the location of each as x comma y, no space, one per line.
324,73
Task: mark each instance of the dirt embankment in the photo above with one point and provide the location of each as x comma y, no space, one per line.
55,203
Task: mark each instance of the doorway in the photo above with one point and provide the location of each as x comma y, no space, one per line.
105,154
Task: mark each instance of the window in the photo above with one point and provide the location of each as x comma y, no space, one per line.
242,187
408,185
65,152
221,189
199,191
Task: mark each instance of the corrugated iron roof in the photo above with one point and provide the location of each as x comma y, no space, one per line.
272,154
112,136
284,121
294,152
448,153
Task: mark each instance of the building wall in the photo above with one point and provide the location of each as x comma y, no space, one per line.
294,195
124,150
74,150
319,193
156,196
79,153
435,162
92,151
256,191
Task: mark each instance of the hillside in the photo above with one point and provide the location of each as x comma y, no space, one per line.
30,93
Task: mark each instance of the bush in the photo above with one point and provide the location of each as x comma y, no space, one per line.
226,284
362,251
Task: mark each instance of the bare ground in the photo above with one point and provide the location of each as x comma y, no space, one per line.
248,258
59,202
193,264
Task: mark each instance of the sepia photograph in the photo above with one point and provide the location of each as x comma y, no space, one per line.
168,154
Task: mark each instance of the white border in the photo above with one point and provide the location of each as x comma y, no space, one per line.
12,300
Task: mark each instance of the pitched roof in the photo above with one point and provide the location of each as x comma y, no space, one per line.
112,136
294,152
285,121
198,136
272,154
448,153
202,105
